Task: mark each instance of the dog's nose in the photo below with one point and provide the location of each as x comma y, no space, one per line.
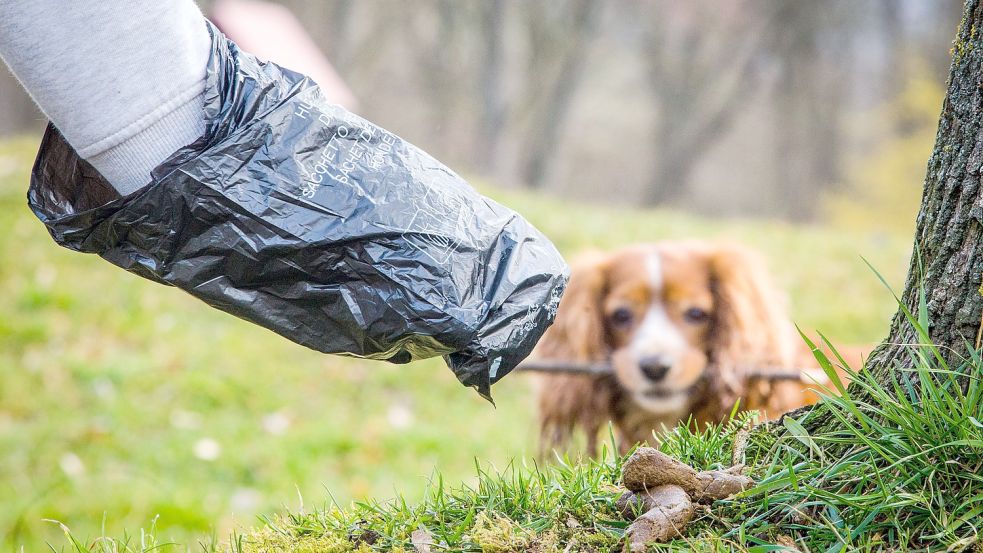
655,367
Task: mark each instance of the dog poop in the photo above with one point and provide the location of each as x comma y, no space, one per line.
648,467
665,490
672,511
719,484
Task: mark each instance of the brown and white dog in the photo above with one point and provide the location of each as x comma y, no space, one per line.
682,324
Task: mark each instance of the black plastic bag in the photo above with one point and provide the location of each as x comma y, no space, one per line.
310,221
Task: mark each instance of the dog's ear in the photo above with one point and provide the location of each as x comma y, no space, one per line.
568,402
751,328
578,333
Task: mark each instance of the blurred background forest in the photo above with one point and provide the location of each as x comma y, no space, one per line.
799,127
727,107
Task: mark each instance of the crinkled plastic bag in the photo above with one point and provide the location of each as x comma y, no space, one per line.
314,223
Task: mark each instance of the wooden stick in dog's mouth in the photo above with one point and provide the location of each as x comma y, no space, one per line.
806,375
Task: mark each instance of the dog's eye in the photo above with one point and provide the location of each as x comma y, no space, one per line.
621,316
696,315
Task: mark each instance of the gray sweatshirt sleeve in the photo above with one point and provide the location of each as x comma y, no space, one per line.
123,81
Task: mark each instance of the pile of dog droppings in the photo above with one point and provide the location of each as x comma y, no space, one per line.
665,490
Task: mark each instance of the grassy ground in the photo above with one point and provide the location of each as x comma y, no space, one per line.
125,404
903,473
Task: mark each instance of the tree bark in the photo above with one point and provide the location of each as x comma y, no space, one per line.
947,261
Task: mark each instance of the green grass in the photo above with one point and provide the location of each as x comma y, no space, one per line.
109,385
903,471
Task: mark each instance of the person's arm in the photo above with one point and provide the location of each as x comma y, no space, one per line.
122,81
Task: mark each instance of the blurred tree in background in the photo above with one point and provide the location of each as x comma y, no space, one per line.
812,47
724,107
702,61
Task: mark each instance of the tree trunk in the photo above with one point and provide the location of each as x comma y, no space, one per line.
436,63
493,99
808,99
948,259
672,170
340,27
545,133
893,37
699,80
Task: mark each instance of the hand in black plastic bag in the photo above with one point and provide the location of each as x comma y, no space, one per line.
310,221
